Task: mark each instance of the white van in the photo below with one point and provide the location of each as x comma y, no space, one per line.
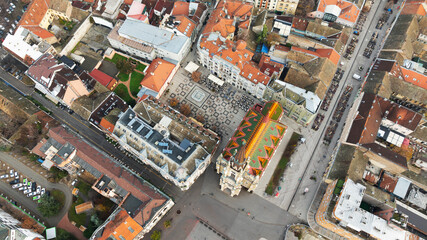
357,76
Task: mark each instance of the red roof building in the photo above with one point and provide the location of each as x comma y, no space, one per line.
104,79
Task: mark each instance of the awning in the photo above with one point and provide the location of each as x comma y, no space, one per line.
216,80
191,67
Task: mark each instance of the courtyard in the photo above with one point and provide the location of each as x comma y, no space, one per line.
129,76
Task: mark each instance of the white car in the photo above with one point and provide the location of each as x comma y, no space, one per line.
42,191
7,19
15,186
1,27
11,172
4,176
8,11
27,191
31,194
38,189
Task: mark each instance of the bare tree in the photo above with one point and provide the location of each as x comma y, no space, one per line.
185,109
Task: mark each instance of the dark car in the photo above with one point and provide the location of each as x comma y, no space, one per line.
14,182
33,187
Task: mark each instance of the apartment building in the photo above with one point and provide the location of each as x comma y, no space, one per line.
175,146
57,81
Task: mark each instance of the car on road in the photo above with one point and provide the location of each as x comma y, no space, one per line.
357,76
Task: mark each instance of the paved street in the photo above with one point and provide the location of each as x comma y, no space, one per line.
312,157
28,203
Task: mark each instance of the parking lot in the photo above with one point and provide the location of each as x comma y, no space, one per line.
11,12
21,183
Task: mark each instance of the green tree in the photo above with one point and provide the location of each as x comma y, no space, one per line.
124,66
48,206
156,235
61,234
263,35
95,220
167,223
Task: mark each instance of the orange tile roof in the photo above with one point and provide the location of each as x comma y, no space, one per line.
41,32
35,13
328,53
121,225
236,54
414,8
106,125
349,11
157,74
232,9
224,26
251,71
186,26
414,77
181,8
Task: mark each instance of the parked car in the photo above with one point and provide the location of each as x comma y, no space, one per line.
8,11
74,182
14,182
16,175
24,181
31,194
11,172
21,188
27,191
1,27
17,185
42,192
6,19
33,187
38,189
4,176
36,197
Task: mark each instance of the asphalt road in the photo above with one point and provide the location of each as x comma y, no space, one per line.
321,154
28,203
95,137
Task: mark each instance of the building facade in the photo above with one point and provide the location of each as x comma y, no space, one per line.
250,149
14,231
298,104
232,63
177,147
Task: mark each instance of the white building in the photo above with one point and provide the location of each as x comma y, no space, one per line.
351,215
26,46
178,148
231,62
148,42
10,224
